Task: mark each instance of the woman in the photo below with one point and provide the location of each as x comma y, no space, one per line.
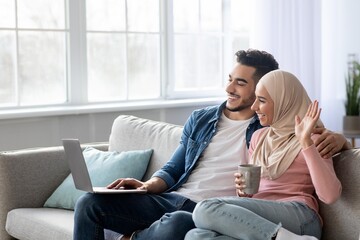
292,170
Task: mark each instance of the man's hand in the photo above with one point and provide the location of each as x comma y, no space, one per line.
153,185
131,183
329,143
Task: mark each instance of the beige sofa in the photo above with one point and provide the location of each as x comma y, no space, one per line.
28,177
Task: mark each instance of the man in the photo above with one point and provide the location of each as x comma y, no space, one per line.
213,143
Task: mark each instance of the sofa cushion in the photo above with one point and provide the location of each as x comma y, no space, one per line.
144,134
104,167
40,223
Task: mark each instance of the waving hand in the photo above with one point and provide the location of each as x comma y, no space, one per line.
304,127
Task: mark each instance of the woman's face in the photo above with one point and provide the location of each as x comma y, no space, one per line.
263,105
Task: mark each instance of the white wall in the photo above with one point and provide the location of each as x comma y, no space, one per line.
93,127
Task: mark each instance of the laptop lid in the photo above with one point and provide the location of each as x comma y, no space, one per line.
77,164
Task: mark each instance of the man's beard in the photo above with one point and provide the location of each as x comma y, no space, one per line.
238,108
245,105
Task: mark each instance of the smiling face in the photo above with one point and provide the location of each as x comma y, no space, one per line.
240,90
263,105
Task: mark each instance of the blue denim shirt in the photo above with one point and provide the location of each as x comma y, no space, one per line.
200,127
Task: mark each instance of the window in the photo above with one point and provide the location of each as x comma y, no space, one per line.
32,52
123,49
60,52
205,34
198,45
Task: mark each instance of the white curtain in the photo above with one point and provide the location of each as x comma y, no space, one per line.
296,32
290,30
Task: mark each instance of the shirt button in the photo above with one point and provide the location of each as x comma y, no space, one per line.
205,143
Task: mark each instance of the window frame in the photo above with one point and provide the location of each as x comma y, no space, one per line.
76,55
77,50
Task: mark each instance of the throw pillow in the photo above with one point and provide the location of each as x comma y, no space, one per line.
104,168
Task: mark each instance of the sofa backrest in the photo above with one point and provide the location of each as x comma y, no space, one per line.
133,133
342,218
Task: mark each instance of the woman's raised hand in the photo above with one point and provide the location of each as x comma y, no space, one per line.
304,127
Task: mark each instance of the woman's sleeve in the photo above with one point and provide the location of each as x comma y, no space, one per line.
327,185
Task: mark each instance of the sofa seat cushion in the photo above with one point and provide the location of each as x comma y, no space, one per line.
40,223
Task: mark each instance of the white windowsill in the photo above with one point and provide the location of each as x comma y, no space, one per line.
104,107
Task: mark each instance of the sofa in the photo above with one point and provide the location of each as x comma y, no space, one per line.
28,177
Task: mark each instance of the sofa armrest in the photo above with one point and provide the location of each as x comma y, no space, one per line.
28,177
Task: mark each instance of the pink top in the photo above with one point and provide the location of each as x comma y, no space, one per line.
308,173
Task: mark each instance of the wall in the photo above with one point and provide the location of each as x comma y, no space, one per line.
45,131
340,36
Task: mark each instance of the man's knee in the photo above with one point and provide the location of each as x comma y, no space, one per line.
178,218
86,200
175,225
86,207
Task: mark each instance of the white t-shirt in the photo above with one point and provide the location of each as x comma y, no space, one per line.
213,176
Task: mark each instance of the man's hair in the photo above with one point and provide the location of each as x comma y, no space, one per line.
262,61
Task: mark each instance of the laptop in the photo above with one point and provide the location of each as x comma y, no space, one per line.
80,173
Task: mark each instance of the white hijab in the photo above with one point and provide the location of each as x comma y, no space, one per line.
278,146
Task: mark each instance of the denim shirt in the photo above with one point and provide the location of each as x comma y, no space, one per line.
200,127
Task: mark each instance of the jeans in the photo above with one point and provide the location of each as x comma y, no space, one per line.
125,213
251,219
172,226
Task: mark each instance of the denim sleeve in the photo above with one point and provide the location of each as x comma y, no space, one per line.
175,168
